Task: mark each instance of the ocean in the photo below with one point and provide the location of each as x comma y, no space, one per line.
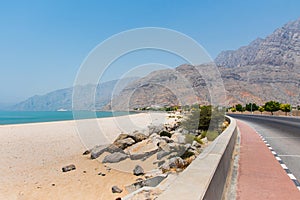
23,117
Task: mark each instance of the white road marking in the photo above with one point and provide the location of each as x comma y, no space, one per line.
273,152
278,158
292,176
283,166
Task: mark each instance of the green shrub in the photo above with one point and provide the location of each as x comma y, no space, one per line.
203,134
198,139
189,138
204,118
212,135
165,133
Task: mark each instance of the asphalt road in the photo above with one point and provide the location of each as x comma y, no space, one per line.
282,133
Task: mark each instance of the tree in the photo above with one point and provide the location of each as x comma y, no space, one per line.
253,105
261,109
233,109
239,107
171,108
285,108
204,118
272,106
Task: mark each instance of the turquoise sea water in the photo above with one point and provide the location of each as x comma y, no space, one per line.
21,117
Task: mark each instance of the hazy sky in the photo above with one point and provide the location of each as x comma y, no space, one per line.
43,43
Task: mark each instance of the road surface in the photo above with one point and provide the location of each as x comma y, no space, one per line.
282,133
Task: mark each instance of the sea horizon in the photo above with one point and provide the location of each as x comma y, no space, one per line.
25,117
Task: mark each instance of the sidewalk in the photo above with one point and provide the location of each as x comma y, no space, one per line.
260,175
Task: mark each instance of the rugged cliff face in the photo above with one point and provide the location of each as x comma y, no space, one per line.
241,57
162,88
184,85
282,48
266,69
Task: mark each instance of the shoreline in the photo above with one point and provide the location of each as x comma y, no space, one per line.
33,154
71,119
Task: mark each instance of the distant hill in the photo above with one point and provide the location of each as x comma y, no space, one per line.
266,69
62,99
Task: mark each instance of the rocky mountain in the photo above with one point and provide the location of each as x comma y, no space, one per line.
184,85
62,99
242,56
282,48
158,89
266,69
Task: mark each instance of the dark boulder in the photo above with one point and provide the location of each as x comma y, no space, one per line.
138,170
116,189
86,152
68,168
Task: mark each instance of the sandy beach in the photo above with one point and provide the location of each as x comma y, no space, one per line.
32,156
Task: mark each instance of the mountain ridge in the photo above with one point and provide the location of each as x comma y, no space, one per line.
279,48
61,99
266,69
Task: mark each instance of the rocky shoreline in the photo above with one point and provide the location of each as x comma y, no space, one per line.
45,161
155,155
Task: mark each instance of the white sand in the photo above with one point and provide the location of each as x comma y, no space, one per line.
32,156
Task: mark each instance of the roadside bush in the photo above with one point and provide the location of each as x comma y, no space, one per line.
212,135
189,138
206,117
198,139
203,134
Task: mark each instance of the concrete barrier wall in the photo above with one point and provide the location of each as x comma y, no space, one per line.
205,177
216,186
